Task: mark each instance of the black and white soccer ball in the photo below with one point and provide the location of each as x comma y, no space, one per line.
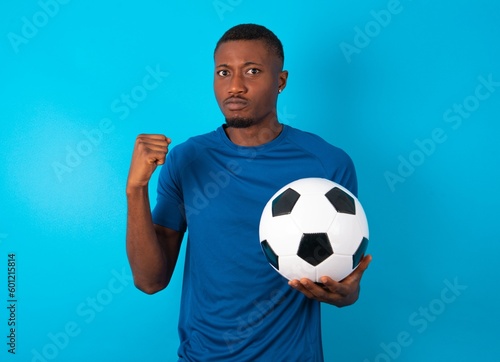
313,227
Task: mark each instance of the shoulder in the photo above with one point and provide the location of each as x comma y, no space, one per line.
192,147
199,141
335,162
318,146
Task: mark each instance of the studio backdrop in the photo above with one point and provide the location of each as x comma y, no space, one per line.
409,89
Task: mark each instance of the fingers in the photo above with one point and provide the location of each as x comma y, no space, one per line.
363,264
342,293
358,272
335,287
349,284
152,148
154,138
149,152
303,287
311,290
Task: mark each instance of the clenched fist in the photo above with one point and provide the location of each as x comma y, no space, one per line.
150,151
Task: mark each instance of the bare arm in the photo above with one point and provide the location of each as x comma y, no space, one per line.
152,250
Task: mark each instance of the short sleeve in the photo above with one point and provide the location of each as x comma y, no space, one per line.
169,210
346,174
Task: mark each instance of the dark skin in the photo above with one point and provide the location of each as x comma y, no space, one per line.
248,78
247,81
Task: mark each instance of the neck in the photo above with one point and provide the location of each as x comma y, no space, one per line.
255,135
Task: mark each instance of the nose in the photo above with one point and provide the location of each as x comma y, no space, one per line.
237,84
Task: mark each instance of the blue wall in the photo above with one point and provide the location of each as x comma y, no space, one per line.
410,89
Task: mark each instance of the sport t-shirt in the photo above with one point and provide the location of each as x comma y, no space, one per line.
234,306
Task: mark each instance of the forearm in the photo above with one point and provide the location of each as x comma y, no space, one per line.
145,254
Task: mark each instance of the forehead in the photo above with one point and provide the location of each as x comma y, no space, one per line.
236,52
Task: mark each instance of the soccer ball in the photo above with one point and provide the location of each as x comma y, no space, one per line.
313,227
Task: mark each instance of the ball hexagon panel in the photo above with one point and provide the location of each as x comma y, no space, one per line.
293,267
336,267
317,205
345,234
361,218
281,232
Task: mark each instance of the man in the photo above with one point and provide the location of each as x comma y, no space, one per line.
234,306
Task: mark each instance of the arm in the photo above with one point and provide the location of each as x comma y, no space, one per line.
340,294
152,250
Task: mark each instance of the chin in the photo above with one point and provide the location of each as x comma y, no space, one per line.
240,122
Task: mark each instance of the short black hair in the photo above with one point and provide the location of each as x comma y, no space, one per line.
254,32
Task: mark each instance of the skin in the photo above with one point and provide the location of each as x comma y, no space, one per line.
152,250
247,81
248,78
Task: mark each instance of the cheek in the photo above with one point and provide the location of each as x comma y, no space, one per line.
270,89
268,97
218,93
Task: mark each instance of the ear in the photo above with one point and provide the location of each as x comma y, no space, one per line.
283,77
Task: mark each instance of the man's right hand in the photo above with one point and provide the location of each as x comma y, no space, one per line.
150,151
152,249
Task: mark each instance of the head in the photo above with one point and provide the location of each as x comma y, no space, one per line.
248,75
254,32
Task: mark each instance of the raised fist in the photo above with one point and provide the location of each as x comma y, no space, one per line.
150,151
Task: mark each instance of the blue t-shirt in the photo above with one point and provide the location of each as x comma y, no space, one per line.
234,306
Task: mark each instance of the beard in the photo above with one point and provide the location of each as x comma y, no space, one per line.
240,122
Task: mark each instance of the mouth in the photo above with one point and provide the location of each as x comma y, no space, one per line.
235,103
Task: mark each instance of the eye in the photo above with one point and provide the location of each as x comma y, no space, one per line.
253,71
223,73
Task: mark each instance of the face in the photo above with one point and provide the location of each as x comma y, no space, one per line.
247,80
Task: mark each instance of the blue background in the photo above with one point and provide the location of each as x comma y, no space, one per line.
398,85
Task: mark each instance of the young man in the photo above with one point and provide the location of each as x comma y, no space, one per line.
234,306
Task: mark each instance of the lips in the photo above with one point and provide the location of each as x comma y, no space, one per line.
235,103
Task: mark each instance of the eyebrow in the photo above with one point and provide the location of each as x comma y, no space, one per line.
224,65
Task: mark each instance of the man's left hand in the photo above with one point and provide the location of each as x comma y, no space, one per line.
340,294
